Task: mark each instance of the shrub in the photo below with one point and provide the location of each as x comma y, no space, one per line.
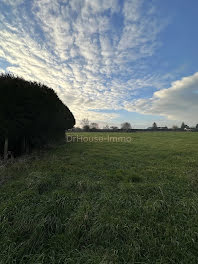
31,115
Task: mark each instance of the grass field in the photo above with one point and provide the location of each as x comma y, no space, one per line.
103,202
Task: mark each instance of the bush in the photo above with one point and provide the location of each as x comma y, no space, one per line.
31,115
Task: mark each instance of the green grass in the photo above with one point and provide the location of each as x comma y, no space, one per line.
103,202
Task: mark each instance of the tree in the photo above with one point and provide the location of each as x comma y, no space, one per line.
175,127
85,124
126,126
196,126
183,126
106,127
114,128
94,126
154,126
31,115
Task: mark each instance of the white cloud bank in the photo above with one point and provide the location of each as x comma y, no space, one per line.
179,102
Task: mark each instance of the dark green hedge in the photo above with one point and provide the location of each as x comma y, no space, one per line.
31,114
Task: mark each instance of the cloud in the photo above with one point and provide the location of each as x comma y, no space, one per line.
179,102
88,51
12,2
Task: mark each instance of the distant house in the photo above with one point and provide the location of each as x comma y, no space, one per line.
158,128
188,129
163,128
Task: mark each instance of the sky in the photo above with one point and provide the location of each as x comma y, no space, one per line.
109,61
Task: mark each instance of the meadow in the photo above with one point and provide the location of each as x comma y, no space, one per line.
103,202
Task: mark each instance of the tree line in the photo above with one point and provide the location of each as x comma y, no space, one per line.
31,116
88,126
